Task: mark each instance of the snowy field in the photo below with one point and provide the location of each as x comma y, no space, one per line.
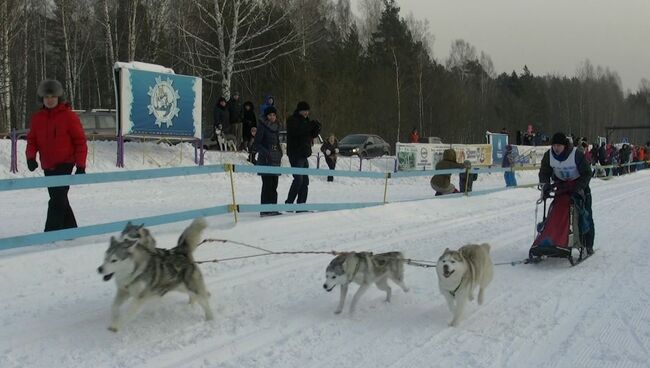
273,312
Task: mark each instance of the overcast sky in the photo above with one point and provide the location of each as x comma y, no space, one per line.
550,36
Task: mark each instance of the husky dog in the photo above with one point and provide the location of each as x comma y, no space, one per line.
459,272
142,271
364,268
226,142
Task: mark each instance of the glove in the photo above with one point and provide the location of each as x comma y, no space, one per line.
328,152
546,190
80,170
336,150
32,164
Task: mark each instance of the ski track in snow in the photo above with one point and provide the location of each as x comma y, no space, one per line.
273,312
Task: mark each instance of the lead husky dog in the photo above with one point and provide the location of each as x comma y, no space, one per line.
364,268
142,271
459,272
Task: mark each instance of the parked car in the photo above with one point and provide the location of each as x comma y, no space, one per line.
363,145
98,124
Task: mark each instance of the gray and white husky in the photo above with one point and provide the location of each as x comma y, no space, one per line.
364,268
142,271
459,272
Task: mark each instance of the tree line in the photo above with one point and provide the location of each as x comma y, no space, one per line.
373,73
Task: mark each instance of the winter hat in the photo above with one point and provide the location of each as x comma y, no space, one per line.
50,87
559,138
302,106
270,110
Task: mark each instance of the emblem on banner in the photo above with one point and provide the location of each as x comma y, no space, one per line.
163,104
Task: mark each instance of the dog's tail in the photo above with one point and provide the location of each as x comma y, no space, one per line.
191,236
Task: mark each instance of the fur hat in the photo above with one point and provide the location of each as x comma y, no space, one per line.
302,106
559,138
270,110
50,87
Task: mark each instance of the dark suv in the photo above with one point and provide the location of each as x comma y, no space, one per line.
98,124
363,145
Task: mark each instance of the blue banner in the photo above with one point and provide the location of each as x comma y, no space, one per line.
499,143
160,104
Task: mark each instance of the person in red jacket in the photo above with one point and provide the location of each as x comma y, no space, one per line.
58,138
414,137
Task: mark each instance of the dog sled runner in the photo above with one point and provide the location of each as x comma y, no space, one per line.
561,233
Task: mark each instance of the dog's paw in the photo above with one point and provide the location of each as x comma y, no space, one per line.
112,328
453,323
338,311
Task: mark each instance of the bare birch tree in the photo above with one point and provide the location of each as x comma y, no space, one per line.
7,33
235,42
75,25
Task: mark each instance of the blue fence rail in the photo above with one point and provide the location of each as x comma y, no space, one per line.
97,178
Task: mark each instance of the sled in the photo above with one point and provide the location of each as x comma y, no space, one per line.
558,235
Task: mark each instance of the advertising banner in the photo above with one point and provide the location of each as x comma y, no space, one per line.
529,155
155,103
424,156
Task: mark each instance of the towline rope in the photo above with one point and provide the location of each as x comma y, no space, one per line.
408,261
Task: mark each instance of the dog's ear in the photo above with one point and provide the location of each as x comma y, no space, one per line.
141,226
446,250
113,241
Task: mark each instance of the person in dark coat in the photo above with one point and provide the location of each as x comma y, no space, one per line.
567,167
269,153
330,149
465,182
235,118
249,120
300,134
58,138
221,117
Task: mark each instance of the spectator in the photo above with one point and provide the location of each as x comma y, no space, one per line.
615,160
249,121
267,144
221,118
300,134
269,100
58,138
466,183
584,147
642,157
441,183
509,161
330,149
414,137
569,170
252,153
235,115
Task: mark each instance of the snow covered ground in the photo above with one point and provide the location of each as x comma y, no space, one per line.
273,312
